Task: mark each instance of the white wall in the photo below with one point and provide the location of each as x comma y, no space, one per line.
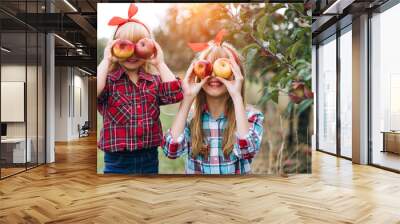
12,73
17,73
69,82
33,127
80,84
61,103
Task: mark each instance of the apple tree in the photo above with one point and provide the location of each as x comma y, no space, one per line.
276,42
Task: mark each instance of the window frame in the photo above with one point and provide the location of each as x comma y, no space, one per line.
333,37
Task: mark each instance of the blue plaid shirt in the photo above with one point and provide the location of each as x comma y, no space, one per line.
237,162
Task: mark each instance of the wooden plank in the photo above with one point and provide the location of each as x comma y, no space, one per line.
70,191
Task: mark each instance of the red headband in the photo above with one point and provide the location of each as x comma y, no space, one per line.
118,21
197,47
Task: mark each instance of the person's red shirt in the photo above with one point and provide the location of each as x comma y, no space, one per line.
131,112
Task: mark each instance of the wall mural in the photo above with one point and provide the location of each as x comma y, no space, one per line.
204,88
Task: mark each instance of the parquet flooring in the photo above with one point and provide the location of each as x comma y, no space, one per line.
70,191
11,170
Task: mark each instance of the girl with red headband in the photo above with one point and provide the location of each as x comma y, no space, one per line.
219,133
130,91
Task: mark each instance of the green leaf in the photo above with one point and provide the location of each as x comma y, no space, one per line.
304,105
250,59
262,23
294,49
288,110
250,46
277,6
308,77
304,74
298,6
268,68
264,99
290,13
300,62
283,71
272,95
285,82
266,95
276,78
298,32
275,96
272,46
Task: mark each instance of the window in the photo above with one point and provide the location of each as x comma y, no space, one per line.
385,89
22,102
346,93
327,96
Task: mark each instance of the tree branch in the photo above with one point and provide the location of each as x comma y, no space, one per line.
290,66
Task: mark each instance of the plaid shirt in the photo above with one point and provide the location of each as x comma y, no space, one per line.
238,161
131,112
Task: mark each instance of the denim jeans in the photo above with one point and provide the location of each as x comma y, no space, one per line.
144,161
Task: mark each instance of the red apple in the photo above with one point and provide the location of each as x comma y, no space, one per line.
202,69
145,48
277,18
308,93
222,68
299,92
296,95
295,99
123,49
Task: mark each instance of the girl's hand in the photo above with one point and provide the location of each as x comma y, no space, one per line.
108,56
158,57
189,85
105,67
234,86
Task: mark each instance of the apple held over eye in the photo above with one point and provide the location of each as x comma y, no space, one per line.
202,69
222,68
123,49
145,48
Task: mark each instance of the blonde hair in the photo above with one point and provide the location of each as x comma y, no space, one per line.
212,53
134,32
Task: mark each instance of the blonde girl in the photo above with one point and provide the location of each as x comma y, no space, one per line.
129,93
213,126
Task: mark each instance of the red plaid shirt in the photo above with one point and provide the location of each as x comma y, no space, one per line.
131,112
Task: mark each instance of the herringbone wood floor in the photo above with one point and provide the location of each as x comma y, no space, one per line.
70,191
